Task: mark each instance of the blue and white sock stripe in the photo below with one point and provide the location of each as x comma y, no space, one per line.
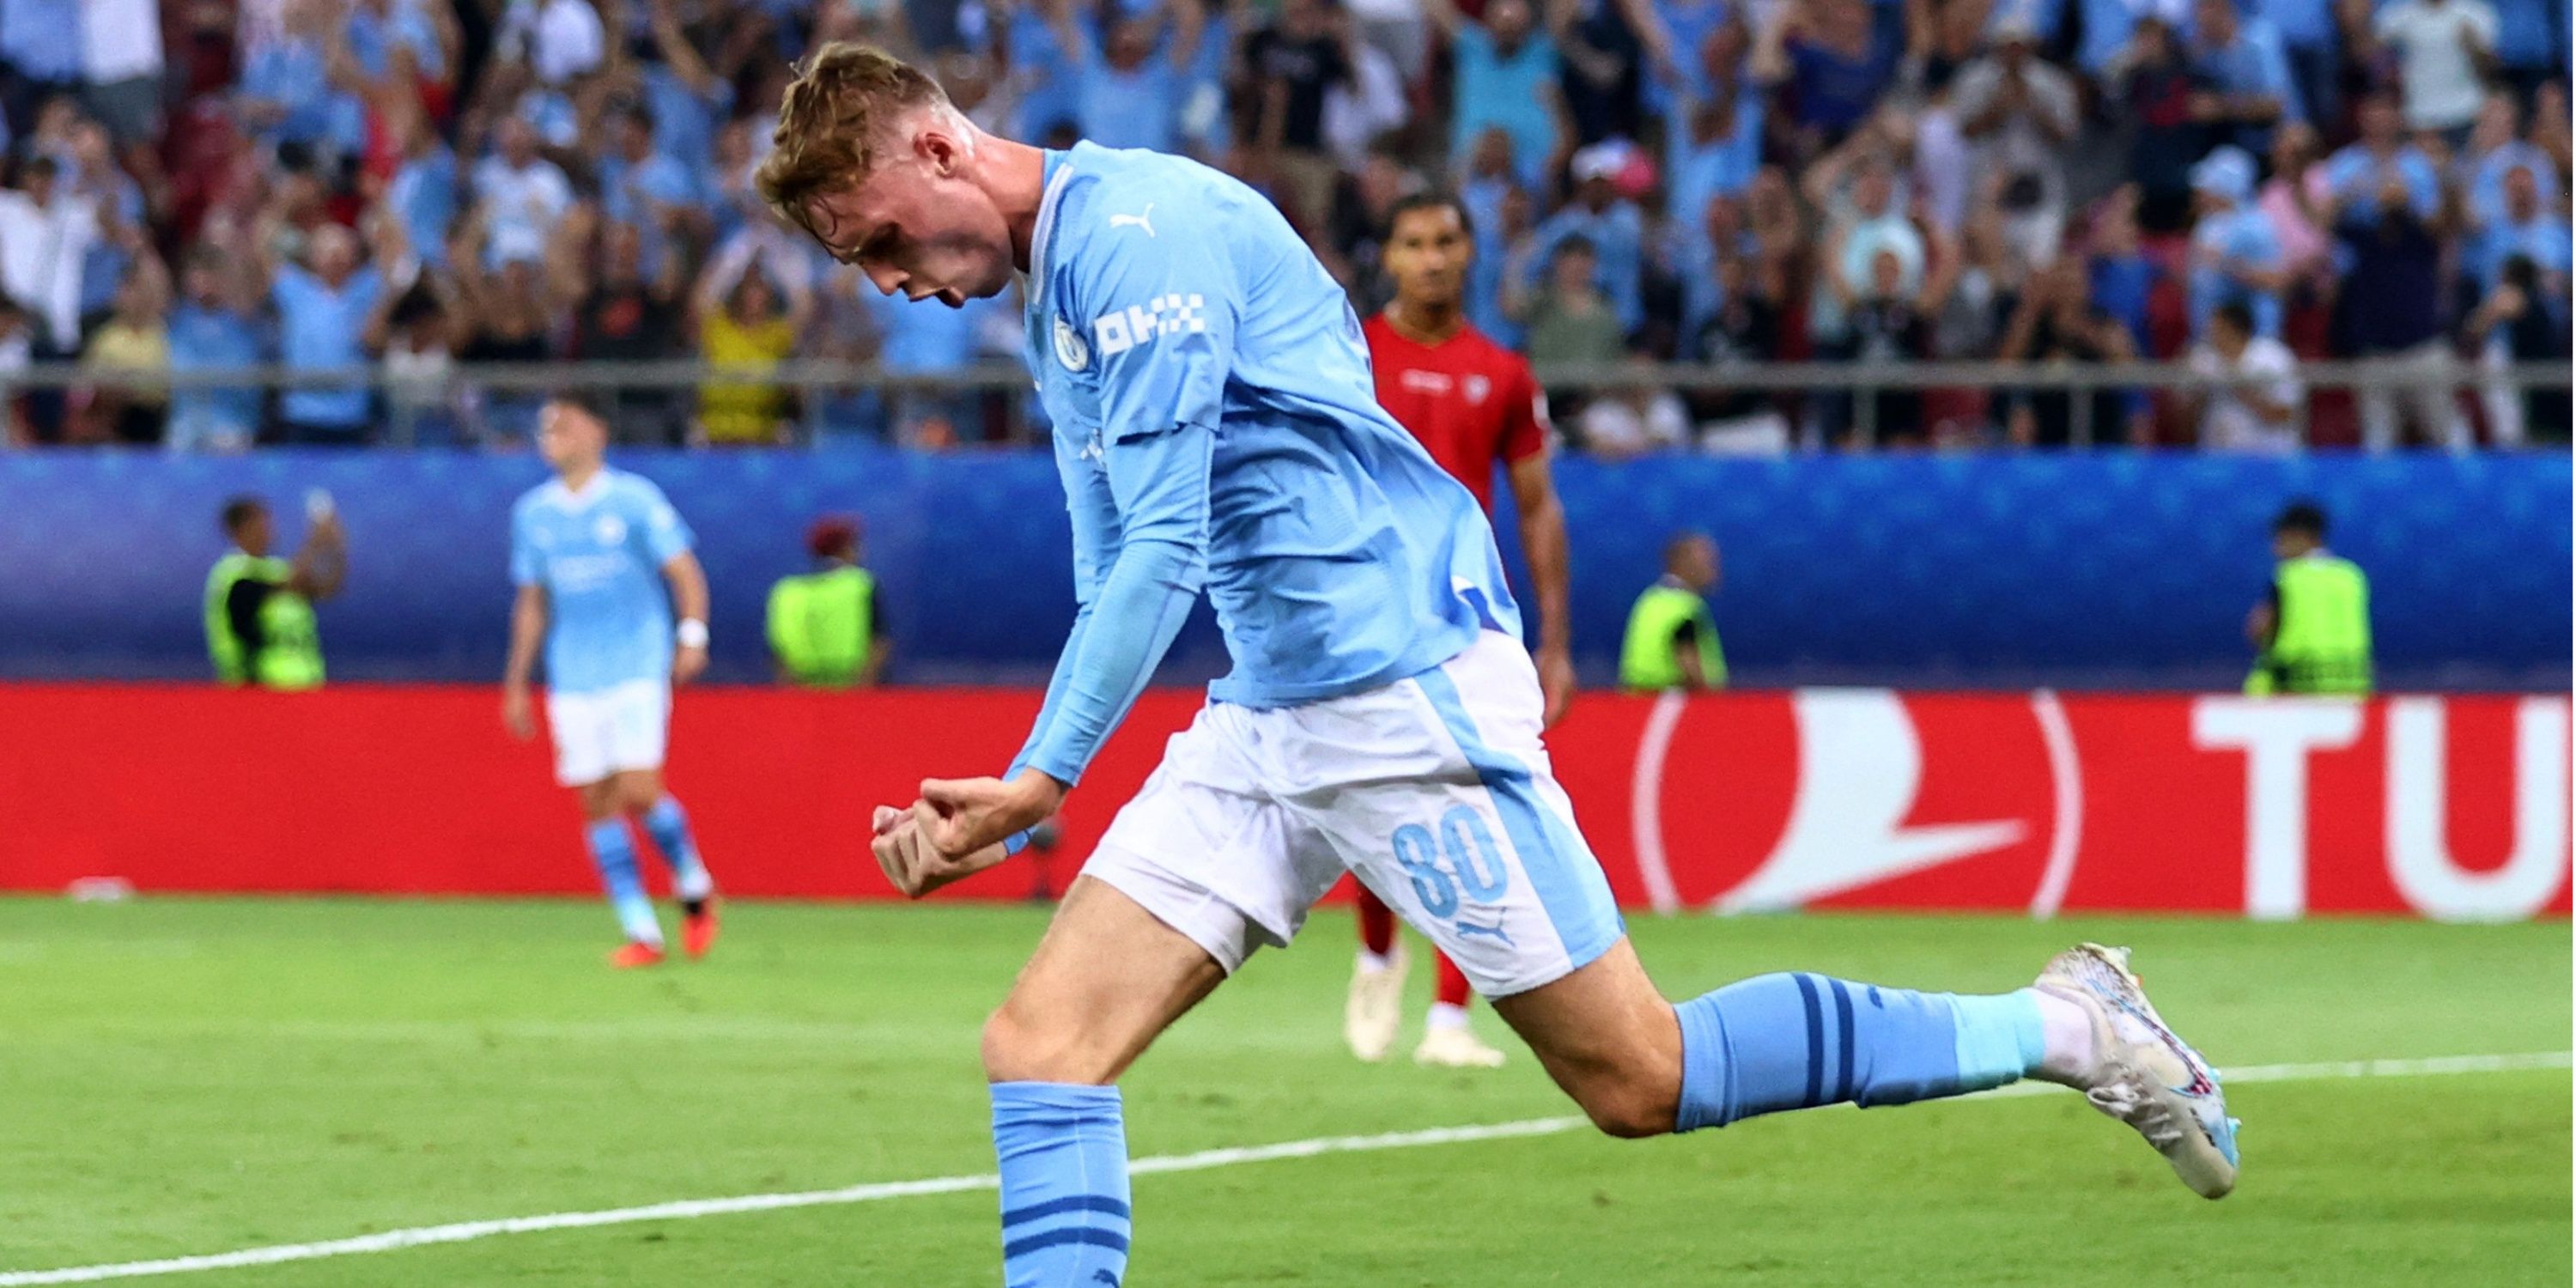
1815,1042
1796,1041
1843,1046
1816,992
1064,1210
1099,1212
1086,1235
1567,879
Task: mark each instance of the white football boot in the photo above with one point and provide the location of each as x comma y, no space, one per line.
2142,1074
1456,1048
1376,1007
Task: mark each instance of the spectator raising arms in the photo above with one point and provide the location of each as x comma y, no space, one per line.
2244,88
322,309
1507,76
745,326
625,313
1291,65
1127,87
2444,51
46,231
521,195
1835,58
2019,115
506,304
2391,309
2161,99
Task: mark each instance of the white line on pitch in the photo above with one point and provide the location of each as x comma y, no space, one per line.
687,1209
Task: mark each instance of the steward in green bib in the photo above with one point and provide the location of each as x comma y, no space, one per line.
2313,630
1672,637
825,628
259,608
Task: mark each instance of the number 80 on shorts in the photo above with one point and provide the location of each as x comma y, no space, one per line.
1474,862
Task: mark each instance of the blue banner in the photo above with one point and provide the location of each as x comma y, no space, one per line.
2109,570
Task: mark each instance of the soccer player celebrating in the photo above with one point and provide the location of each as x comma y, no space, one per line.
1473,404
1215,431
590,553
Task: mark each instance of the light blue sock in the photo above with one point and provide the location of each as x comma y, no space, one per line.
613,849
668,825
1779,1042
1063,1151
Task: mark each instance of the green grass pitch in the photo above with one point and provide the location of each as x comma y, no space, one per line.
185,1076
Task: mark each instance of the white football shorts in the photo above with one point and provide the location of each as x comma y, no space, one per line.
1435,791
608,731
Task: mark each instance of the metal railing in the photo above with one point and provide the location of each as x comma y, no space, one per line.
816,383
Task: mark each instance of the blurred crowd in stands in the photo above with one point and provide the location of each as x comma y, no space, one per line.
2241,184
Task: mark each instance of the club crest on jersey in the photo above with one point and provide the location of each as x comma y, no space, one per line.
609,529
1119,330
1070,348
1477,387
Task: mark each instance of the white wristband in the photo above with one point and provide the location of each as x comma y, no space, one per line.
692,634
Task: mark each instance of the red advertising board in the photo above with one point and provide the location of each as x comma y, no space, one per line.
2450,807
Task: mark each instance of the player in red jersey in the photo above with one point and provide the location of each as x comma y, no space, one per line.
1475,405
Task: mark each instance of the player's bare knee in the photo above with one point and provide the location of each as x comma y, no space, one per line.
1630,1108
636,793
1629,1117
1022,1048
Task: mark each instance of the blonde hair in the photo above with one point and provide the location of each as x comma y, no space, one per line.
831,119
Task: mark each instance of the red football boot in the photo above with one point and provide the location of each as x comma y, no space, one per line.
698,930
634,953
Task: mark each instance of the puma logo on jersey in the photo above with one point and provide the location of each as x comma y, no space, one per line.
1144,221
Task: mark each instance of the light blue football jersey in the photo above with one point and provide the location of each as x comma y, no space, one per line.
1216,427
599,554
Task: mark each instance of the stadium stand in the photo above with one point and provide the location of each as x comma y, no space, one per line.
416,184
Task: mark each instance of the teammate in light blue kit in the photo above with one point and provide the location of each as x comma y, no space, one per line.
590,553
1216,430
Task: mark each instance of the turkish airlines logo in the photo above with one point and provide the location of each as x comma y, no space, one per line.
2451,808
1867,807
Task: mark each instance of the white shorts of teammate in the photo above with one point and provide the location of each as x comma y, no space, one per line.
609,731
1435,791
